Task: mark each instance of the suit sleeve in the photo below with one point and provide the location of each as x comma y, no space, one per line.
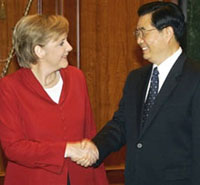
15,143
196,138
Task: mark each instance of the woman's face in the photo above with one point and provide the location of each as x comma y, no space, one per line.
55,53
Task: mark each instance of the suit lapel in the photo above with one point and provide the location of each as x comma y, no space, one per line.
141,92
167,88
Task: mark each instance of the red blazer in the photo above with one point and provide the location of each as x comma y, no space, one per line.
34,130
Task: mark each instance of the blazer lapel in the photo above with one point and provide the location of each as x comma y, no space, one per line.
167,88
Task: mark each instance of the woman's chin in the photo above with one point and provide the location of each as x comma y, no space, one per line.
65,64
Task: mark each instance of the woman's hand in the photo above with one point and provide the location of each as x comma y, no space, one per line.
84,153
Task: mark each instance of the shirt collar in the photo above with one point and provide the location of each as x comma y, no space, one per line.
167,64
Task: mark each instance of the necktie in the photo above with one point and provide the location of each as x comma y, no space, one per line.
153,91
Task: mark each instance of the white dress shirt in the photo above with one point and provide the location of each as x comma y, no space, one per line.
164,68
55,91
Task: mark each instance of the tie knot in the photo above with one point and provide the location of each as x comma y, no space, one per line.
155,72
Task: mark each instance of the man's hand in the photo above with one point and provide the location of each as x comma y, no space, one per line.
84,153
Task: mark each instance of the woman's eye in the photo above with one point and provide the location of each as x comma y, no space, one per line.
62,43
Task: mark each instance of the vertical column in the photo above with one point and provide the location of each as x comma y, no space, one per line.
70,9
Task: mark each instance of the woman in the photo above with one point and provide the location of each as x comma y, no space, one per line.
45,109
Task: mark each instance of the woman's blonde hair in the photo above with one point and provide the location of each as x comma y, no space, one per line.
33,30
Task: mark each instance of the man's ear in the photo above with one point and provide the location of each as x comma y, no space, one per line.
169,33
39,51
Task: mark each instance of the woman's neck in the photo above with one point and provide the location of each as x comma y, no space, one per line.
46,79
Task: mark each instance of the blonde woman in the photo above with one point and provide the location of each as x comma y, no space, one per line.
45,109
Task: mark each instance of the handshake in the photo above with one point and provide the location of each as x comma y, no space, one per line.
84,153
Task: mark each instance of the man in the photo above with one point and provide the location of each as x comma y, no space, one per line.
162,134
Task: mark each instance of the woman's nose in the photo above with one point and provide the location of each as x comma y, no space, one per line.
68,46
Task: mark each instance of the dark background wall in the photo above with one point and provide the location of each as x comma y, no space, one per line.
193,29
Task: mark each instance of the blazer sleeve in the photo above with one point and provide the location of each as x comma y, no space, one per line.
17,146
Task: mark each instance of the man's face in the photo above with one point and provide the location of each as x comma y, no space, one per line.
151,40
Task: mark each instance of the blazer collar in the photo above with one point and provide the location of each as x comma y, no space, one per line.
36,87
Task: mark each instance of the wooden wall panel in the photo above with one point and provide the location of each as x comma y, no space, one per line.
2,167
14,11
70,12
108,53
48,7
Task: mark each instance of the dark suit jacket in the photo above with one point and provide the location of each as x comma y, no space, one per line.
167,150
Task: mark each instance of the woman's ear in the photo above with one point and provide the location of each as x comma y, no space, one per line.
39,51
